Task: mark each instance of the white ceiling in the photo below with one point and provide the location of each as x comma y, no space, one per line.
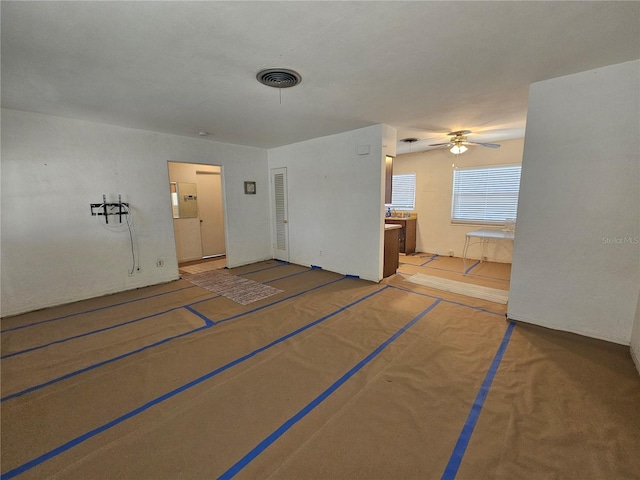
425,68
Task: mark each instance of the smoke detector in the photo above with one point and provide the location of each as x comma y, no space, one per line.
279,77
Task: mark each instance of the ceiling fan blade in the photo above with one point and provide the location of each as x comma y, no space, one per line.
490,145
440,144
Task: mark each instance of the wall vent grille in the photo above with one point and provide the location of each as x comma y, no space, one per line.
279,77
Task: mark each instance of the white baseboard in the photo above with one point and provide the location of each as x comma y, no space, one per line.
563,328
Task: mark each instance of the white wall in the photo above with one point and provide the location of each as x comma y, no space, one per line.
635,337
336,199
434,183
54,251
576,263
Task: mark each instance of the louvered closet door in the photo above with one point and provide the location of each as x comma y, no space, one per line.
280,209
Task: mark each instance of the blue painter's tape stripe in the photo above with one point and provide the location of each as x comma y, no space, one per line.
92,332
443,269
207,321
97,365
20,327
492,278
253,310
316,267
282,429
100,330
472,267
111,327
202,301
287,276
467,430
261,269
76,441
357,277
431,259
454,270
124,355
93,310
448,301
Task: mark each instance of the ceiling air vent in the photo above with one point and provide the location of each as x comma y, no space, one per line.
279,77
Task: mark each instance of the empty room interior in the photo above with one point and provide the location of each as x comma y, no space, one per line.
320,240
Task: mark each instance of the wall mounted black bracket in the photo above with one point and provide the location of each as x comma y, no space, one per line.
106,209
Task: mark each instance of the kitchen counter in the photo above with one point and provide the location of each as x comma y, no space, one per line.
397,217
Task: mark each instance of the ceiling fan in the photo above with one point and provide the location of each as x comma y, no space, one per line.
459,141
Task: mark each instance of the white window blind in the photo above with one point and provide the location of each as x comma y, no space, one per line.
485,195
403,191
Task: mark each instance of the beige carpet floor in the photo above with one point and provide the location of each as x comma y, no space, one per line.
331,378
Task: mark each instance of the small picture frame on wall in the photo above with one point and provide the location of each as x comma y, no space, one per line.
249,188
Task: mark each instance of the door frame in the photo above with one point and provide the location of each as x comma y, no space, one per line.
285,255
224,219
195,166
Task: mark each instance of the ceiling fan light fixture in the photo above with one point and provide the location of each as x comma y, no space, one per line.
458,149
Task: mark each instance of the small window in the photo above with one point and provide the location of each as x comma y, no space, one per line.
403,191
486,195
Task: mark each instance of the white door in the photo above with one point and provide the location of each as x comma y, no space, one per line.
280,210
211,213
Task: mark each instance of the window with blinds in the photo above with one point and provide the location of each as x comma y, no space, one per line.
486,195
403,191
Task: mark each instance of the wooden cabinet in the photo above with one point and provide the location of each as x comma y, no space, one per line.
391,255
407,235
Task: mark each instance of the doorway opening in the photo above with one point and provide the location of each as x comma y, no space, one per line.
197,199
